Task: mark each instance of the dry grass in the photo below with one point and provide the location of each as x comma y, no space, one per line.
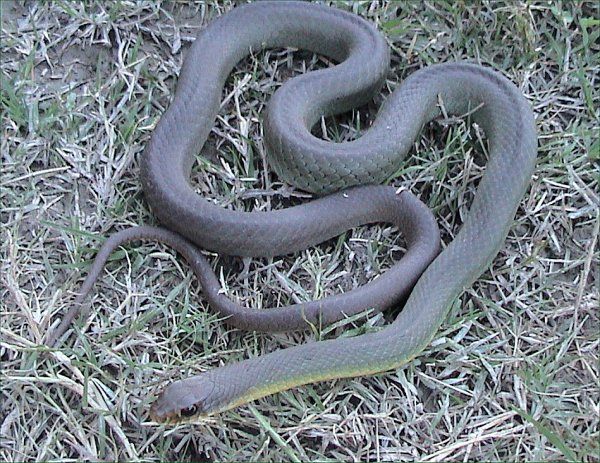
513,374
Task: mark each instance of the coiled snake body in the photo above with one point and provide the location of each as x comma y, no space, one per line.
322,167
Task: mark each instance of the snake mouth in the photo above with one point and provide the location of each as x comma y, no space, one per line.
191,414
159,416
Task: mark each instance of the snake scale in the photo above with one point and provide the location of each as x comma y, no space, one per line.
325,168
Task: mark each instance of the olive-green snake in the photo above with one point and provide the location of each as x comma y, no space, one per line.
319,166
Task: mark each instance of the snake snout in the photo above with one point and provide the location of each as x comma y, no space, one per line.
181,401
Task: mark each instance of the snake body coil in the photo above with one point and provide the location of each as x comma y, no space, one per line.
323,167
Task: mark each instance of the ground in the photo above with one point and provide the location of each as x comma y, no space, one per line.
512,374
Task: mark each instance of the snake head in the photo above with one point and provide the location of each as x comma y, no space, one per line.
184,401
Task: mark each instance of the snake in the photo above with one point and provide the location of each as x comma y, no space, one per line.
349,179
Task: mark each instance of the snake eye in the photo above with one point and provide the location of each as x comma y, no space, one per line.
189,411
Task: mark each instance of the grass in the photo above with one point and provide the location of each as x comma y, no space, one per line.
512,374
